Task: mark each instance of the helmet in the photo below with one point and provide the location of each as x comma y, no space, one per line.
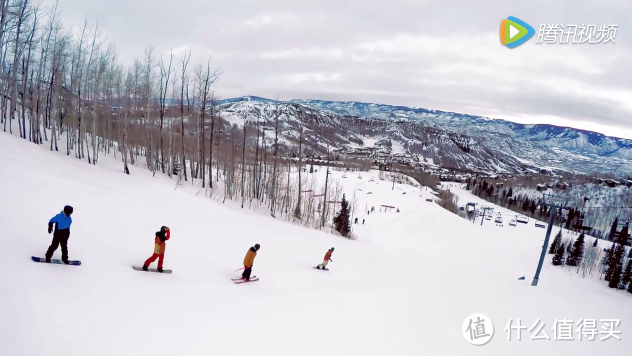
331,249
68,210
257,247
164,228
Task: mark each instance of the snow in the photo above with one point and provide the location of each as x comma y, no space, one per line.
398,147
404,287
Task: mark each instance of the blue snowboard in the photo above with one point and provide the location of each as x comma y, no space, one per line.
54,260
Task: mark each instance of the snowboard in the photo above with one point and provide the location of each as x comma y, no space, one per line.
322,269
241,280
55,261
168,271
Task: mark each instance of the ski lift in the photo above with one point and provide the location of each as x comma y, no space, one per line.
522,219
512,222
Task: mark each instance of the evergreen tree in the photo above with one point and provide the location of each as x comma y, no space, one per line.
556,242
559,255
577,252
510,192
616,267
613,259
569,248
342,222
532,207
615,262
613,229
627,273
570,217
623,235
606,257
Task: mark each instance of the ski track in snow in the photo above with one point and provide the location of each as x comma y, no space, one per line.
404,287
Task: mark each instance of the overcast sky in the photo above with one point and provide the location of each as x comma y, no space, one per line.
443,55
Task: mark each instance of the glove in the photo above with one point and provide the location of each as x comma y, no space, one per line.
50,228
330,260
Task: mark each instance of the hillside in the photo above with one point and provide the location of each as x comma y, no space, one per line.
434,138
405,285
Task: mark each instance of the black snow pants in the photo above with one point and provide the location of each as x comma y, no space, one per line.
60,237
246,273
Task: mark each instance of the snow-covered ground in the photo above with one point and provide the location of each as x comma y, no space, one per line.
404,287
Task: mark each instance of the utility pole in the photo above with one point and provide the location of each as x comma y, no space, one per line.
554,209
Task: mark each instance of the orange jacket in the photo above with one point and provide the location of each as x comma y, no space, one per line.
250,257
159,248
328,256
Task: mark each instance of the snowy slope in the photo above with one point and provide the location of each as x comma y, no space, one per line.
404,287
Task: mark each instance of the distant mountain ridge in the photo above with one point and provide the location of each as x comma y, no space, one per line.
516,147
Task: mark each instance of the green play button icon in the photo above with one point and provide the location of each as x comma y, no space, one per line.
514,32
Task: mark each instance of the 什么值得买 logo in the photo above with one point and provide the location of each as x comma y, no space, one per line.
514,32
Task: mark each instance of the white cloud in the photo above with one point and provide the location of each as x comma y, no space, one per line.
440,55
314,77
303,53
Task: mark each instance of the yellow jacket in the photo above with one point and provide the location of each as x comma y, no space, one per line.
250,257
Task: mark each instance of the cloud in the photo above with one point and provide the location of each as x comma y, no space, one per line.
444,56
313,77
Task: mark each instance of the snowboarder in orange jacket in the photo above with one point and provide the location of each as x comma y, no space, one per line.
326,260
159,248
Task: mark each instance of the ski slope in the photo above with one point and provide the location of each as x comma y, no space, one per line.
404,287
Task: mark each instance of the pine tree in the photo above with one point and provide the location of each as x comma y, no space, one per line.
342,221
559,255
614,262
627,273
623,235
616,267
577,252
613,229
556,242
606,259
571,214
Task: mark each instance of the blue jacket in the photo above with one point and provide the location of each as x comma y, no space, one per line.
63,222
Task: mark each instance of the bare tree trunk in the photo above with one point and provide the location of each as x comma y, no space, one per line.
274,169
297,210
165,75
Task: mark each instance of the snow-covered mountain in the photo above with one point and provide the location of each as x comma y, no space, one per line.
439,138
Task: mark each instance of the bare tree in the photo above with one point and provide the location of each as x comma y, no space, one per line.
165,75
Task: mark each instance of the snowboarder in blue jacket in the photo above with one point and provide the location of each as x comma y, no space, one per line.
62,222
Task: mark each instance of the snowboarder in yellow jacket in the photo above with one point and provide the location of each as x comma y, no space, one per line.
326,259
249,260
